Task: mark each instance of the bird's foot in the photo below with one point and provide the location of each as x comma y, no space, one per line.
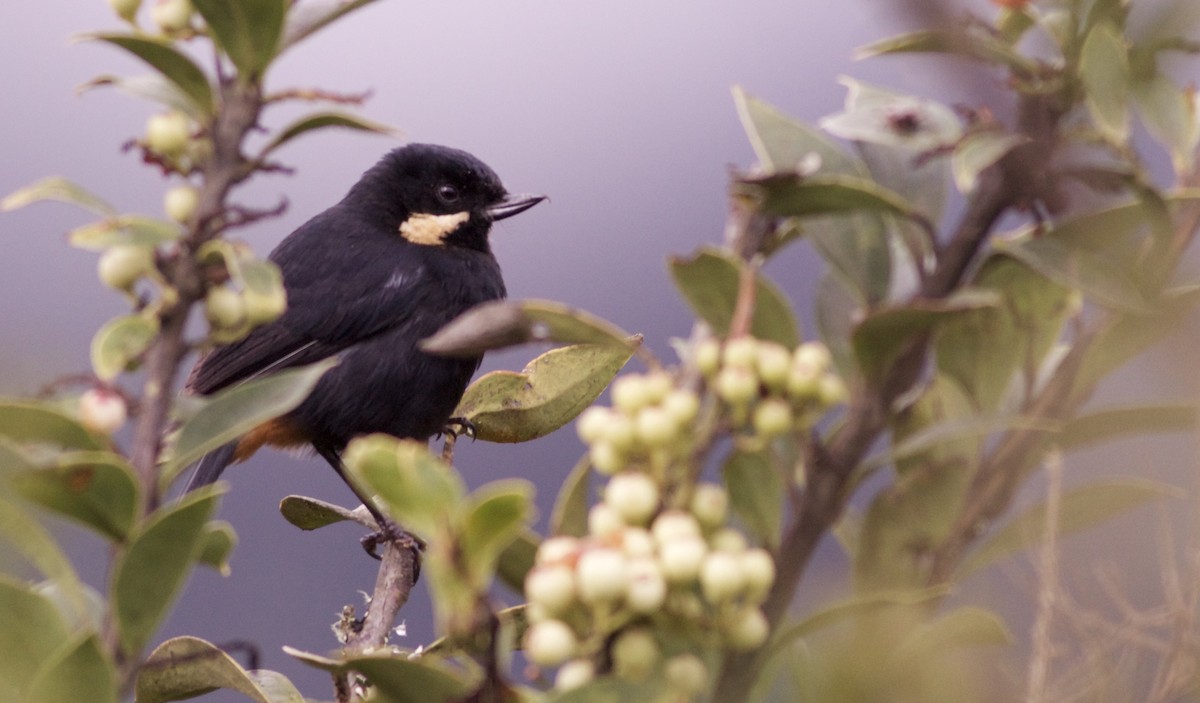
390,532
459,427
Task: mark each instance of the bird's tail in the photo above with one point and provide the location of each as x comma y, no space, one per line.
210,466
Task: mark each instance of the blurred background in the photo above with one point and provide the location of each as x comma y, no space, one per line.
620,112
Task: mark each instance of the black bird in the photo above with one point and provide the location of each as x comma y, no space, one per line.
405,252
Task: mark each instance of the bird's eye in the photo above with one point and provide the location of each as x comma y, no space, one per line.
448,193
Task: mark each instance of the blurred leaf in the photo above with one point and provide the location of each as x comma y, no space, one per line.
1169,113
133,230
1115,423
312,514
782,143
709,282
33,632
398,678
120,342
415,487
496,515
877,116
186,667
28,421
836,312
1080,509
304,18
517,559
953,431
977,44
1013,22
173,64
977,152
81,673
792,195
1104,70
217,545
959,629
236,410
506,323
249,31
569,517
153,87
1103,278
610,689
884,334
38,546
506,406
320,120
756,493
56,188
149,574
97,489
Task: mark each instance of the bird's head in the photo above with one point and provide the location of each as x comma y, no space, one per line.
437,196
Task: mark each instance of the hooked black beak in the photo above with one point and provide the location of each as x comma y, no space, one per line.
513,205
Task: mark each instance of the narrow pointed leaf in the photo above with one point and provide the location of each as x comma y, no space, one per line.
248,30
153,87
37,545
173,64
33,632
56,188
96,489
120,343
569,516
398,678
1104,69
312,514
305,18
321,120
186,667
82,673
506,323
756,493
30,421
789,195
132,230
973,45
978,152
709,282
1115,423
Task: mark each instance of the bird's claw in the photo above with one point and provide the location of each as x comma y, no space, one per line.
459,427
393,533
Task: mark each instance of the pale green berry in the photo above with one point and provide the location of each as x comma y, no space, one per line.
710,503
740,352
647,589
707,357
180,202
658,385
558,550
633,495
606,458
635,653
682,406
550,643
121,266
172,15
721,578
831,391
728,540
126,9
224,307
813,355
773,363
552,587
736,385
686,674
631,393
654,427
772,418
758,568
592,424
637,542
745,628
673,524
168,133
102,411
601,575
620,432
802,381
681,558
605,522
574,674
265,307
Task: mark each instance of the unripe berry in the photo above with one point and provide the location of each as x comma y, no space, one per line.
773,363
264,307
728,540
102,411
831,391
550,643
687,674
121,266
802,381
682,406
619,432
658,385
741,352
647,589
736,385
636,542
168,133
574,674
721,578
635,653
601,575
813,355
758,568
709,504
224,307
592,423
127,9
772,418
633,495
558,550
674,524
551,587
745,628
172,15
707,356
606,458
681,559
654,427
180,202
604,522
631,393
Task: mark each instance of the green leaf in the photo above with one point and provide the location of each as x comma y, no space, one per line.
83,672
953,431
782,143
37,545
173,64
414,487
397,678
610,689
505,323
305,18
148,576
33,632
56,188
249,31
97,489
874,115
1104,70
153,87
1080,509
1098,274
709,282
496,514
186,667
506,406
120,343
1115,423
979,151
312,514
978,45
792,195
756,492
28,421
955,631
517,559
836,311
239,409
321,120
569,516
128,230
216,546
1169,113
